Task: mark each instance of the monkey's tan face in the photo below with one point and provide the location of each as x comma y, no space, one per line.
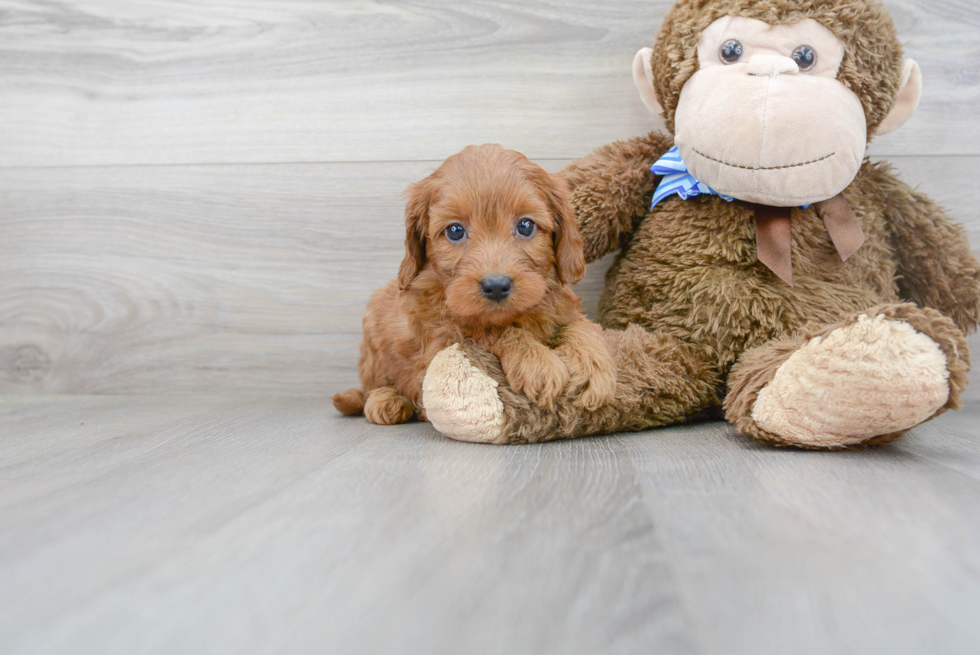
765,119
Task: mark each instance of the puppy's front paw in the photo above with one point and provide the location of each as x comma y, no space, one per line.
539,374
601,390
594,373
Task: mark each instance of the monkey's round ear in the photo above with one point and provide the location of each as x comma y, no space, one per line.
419,195
643,78
907,100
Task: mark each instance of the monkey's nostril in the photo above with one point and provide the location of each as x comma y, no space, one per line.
496,287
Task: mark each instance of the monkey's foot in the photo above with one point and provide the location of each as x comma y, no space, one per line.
461,401
863,382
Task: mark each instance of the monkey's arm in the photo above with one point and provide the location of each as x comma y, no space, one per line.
936,266
611,189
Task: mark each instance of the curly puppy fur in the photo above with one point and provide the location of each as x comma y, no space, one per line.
537,329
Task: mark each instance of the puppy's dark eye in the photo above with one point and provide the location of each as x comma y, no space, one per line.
526,228
805,57
455,232
731,51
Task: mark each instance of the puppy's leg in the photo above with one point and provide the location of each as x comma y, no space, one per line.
351,402
385,406
531,367
590,364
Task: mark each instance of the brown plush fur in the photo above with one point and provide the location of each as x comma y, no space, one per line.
688,272
544,343
720,323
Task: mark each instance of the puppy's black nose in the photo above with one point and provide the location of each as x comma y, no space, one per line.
496,287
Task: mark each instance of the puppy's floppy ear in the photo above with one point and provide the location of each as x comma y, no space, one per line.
419,197
568,241
569,256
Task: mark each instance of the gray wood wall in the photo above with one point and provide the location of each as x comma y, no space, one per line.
199,196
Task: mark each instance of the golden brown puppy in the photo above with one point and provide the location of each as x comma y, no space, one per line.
492,246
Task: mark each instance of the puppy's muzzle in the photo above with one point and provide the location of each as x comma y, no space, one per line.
496,287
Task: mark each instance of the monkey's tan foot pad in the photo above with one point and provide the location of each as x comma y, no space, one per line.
870,378
461,401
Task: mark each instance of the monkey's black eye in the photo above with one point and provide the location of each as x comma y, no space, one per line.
731,51
805,57
455,232
526,228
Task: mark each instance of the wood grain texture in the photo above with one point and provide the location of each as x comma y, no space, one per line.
235,278
190,278
209,524
164,82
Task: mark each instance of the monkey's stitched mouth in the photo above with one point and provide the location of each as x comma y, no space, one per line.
764,168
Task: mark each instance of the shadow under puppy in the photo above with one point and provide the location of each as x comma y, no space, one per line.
492,246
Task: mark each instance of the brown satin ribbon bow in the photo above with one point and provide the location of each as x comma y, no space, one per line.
773,235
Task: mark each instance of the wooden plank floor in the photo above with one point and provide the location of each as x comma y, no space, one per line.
233,524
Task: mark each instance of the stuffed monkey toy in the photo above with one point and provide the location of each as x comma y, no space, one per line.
765,268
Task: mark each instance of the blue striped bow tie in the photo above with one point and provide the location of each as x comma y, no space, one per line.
677,180
773,228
